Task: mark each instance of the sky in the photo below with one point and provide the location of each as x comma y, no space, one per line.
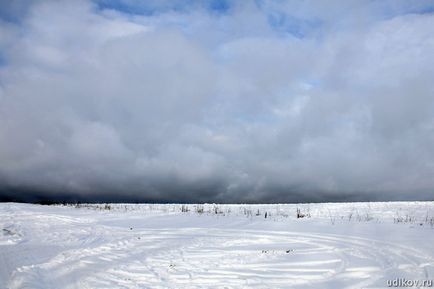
217,101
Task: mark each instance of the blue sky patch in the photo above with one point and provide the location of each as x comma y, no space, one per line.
295,26
155,7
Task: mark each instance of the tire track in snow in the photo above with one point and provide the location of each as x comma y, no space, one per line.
196,258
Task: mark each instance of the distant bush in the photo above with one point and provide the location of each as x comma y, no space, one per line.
302,215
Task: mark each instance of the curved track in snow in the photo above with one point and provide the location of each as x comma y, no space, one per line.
189,258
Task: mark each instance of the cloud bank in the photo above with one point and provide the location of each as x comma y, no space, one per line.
217,101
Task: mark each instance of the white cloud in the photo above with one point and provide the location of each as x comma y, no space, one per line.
192,105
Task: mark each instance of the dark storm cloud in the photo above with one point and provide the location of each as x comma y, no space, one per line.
261,102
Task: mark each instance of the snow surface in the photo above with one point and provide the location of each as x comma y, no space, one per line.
345,245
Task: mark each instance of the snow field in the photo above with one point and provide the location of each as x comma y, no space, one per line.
346,245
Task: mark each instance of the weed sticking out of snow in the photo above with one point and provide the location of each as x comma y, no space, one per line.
395,212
